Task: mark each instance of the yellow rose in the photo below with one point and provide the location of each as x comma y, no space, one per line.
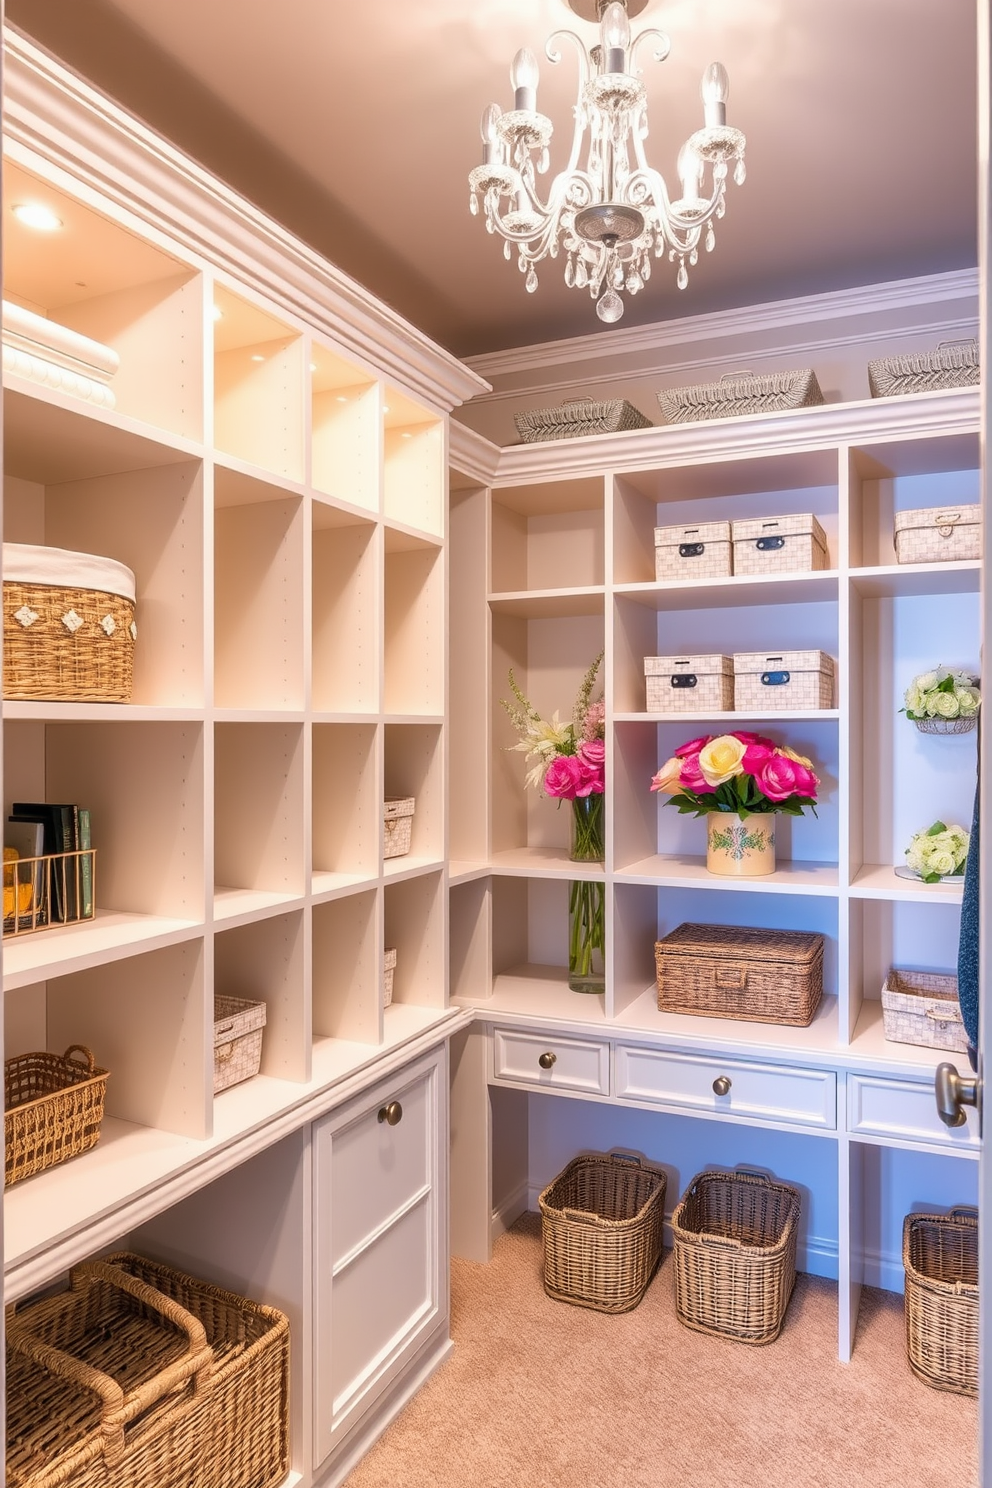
667,778
720,759
800,759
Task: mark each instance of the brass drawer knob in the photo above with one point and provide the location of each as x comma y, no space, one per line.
547,1059
721,1085
392,1114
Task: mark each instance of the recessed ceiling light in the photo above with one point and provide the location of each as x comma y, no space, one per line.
257,357
217,312
406,436
385,408
342,398
37,215
313,366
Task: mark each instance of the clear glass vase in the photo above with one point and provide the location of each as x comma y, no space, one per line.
587,899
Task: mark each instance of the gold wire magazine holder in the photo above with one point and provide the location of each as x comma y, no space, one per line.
54,889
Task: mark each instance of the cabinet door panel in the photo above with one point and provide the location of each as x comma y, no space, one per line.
380,1167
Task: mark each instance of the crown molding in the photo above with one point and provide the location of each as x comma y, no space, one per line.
472,454
62,120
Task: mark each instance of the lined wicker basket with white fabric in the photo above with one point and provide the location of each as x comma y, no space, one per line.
951,364
578,417
741,392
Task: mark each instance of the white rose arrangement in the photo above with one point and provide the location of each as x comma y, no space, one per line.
942,693
939,852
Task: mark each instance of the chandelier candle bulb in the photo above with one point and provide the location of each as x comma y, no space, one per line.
616,37
492,153
524,78
715,90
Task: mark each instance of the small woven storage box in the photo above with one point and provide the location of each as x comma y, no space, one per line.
788,679
938,534
142,1377
602,1220
741,392
53,1107
952,364
700,552
397,826
238,1028
921,1007
579,416
388,973
68,626
767,545
688,684
737,971
940,1256
734,1247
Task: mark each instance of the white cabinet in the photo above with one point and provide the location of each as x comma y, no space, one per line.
380,1261
733,1089
581,1066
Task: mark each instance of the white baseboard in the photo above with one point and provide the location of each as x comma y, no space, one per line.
509,1211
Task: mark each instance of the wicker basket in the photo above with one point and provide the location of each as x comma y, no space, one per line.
579,416
68,626
602,1221
940,1255
734,971
205,1371
238,1026
734,1247
388,973
952,364
700,552
688,684
793,680
53,1107
741,392
397,826
768,545
921,1007
938,534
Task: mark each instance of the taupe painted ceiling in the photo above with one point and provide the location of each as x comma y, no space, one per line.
356,125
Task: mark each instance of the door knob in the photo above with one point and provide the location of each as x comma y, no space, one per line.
547,1059
721,1085
954,1092
392,1114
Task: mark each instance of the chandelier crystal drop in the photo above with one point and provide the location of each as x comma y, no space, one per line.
608,211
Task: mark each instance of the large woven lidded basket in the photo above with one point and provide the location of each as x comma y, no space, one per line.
68,626
940,1255
921,1007
741,392
602,1221
53,1107
734,1240
578,417
142,1377
737,971
951,364
238,1025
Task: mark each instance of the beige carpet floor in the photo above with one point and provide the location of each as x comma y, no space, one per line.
538,1394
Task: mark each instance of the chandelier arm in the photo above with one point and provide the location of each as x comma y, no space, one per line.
647,184
570,188
663,49
579,111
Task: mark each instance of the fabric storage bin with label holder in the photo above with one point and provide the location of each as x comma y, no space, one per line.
921,1007
388,973
53,1109
736,971
397,826
68,626
741,392
700,552
787,679
938,534
238,1026
951,364
940,1258
578,417
689,684
771,545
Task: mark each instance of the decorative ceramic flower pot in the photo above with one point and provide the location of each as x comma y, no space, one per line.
740,849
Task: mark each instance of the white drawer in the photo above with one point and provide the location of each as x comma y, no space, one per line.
766,1092
551,1062
877,1107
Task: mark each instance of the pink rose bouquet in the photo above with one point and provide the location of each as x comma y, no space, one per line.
569,757
740,772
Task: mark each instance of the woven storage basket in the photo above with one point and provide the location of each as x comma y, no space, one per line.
921,1007
741,392
388,973
700,552
734,971
68,626
940,1255
206,1373
767,545
734,1248
951,364
602,1221
938,534
579,416
238,1026
53,1107
788,679
688,684
397,826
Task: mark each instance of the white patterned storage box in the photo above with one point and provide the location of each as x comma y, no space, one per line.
397,826
388,972
741,392
700,552
921,1007
238,1028
689,684
783,679
580,416
938,534
767,545
951,364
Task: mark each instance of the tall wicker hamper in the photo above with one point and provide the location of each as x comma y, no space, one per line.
53,1109
602,1221
734,1240
940,1256
736,971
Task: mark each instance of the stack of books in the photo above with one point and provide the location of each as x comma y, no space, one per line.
48,875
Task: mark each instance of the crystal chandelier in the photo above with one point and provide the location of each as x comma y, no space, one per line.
611,214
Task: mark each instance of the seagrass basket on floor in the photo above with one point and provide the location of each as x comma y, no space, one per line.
601,1221
940,1256
53,1108
734,1249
